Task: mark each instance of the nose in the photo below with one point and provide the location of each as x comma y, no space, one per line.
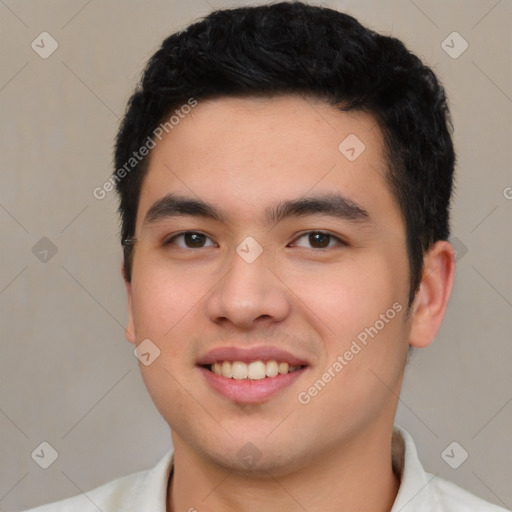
250,295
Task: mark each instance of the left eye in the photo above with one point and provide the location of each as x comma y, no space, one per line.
318,240
191,240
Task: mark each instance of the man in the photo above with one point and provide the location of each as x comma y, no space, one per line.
285,178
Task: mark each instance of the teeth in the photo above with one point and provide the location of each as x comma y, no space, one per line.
255,370
239,370
272,369
227,369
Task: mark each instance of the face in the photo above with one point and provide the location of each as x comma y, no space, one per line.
267,241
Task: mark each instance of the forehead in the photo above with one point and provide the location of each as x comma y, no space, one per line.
246,153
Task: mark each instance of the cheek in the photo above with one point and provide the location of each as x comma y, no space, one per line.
345,297
164,297
164,304
372,332
359,310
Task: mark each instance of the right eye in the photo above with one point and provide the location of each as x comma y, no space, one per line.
190,240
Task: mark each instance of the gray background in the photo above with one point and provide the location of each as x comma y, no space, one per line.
68,377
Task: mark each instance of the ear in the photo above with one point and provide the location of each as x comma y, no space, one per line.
129,331
432,297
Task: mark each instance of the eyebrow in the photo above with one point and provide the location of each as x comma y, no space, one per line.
174,206
333,205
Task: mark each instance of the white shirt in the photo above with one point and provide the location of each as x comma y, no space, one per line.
146,491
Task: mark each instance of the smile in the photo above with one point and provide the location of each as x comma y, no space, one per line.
250,374
255,370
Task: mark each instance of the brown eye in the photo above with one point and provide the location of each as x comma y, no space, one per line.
194,240
191,240
318,240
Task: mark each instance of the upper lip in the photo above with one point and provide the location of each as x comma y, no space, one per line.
249,354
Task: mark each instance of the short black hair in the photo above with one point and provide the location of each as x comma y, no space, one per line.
310,51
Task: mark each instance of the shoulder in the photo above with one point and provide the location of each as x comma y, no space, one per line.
424,492
453,498
145,490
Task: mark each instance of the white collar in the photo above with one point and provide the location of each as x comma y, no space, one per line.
415,492
418,492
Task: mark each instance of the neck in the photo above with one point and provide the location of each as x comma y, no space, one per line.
355,476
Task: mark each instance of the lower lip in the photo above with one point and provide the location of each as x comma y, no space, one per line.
247,391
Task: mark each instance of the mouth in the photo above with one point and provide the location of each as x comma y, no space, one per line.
255,370
243,377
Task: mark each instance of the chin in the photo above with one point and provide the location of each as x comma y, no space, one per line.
257,458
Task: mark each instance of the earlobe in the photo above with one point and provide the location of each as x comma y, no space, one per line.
433,294
129,331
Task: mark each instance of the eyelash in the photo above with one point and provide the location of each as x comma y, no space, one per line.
339,241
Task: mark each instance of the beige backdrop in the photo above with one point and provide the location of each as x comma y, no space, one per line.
68,377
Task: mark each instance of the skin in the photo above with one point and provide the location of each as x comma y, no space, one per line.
244,155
